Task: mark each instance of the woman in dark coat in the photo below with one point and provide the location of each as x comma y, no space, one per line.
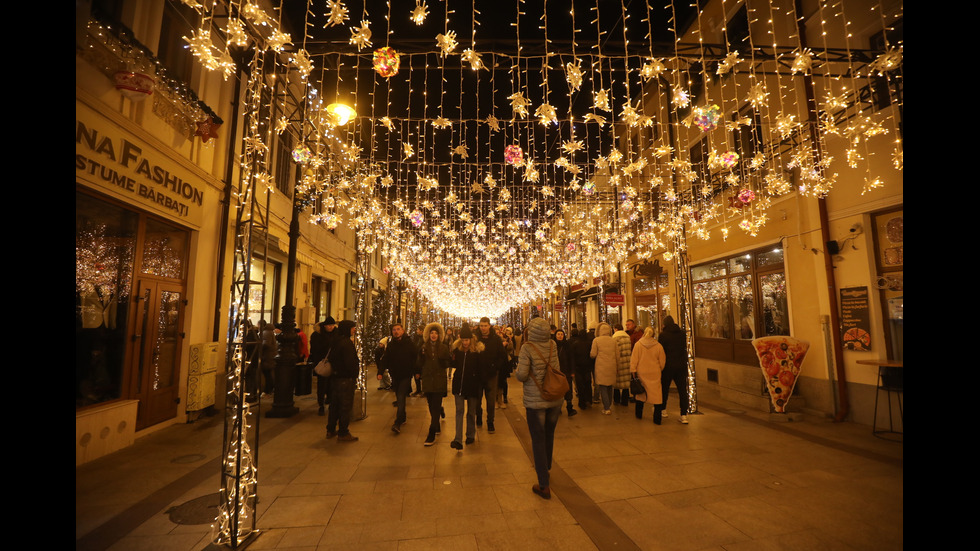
434,360
674,341
566,362
467,384
346,368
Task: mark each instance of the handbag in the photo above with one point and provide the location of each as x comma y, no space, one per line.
636,386
554,386
324,369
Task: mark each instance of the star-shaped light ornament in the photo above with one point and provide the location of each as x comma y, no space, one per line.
573,74
680,97
476,188
887,61
407,151
256,15
473,58
235,32
493,123
728,63
629,115
421,10
519,104
758,96
461,151
597,118
207,129
600,100
531,174
442,122
785,124
546,114
571,146
490,181
301,60
547,191
652,69
387,123
387,181
337,14
361,36
802,62
277,42
446,42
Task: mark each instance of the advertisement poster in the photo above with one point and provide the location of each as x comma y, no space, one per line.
855,318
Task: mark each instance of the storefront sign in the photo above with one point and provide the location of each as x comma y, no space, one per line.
615,299
128,168
855,318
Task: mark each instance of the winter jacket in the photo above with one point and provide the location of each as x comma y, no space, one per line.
400,358
467,369
647,362
320,343
343,353
581,345
531,362
622,359
605,350
433,361
495,355
674,341
269,347
565,360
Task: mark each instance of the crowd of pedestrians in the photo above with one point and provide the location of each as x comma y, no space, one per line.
474,365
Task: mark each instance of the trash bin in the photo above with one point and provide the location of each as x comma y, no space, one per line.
304,379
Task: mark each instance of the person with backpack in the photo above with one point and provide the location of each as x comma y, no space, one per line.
537,358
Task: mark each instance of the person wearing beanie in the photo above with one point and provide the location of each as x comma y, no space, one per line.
467,383
399,360
537,354
494,359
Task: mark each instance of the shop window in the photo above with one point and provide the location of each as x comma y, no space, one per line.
284,164
736,300
178,21
889,237
652,299
263,291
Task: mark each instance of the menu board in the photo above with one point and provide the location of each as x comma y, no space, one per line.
855,318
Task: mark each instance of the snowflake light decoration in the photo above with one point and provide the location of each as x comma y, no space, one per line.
442,122
461,151
387,123
573,74
407,150
493,123
758,96
597,118
519,104
600,100
571,146
421,10
302,63
729,63
652,69
473,58
277,42
337,14
680,97
446,42
803,62
546,114
361,36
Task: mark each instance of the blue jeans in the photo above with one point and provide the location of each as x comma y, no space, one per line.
470,405
402,389
541,424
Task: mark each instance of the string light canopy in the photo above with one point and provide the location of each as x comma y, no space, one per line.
637,125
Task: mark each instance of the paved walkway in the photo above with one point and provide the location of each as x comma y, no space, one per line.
730,480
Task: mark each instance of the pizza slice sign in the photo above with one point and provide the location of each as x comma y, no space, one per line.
780,358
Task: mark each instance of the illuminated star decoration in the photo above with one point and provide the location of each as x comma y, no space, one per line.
476,188
207,129
461,151
652,69
803,61
386,181
597,118
493,123
302,63
442,122
473,59
729,63
546,114
887,61
601,100
337,14
386,121
571,146
407,150
573,74
420,11
278,40
680,98
758,96
235,32
519,104
281,124
361,36
446,42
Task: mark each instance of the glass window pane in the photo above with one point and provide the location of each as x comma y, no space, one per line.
712,312
744,307
770,258
740,264
164,250
775,311
643,284
708,271
105,244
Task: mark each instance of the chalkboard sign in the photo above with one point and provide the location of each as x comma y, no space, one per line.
855,318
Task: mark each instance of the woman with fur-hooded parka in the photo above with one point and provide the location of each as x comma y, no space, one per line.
434,360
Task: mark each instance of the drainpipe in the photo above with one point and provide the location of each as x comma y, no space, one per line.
811,105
